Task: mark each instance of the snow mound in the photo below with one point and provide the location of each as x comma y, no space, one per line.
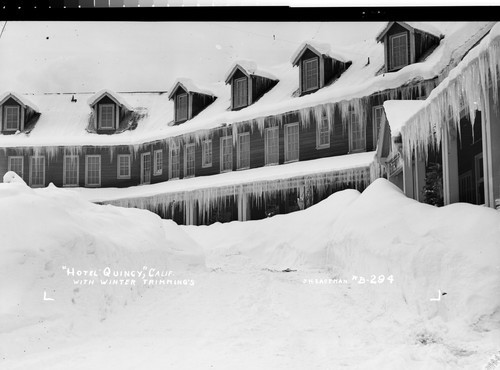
12,177
48,236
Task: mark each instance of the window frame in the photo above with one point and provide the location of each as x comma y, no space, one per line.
305,63
87,157
376,132
204,163
118,175
186,174
266,148
177,105
236,96
113,118
9,164
18,113
77,170
230,140
238,151
177,149
286,128
404,35
31,171
319,145
142,178
157,171
351,125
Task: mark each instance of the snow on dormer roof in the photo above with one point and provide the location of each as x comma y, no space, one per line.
248,68
188,85
112,95
19,98
320,48
420,26
397,112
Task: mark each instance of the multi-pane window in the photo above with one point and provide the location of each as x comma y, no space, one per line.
206,153
323,134
240,92
11,117
357,133
378,119
310,74
174,162
145,168
16,164
244,150
124,166
181,109
37,171
158,162
93,170
272,145
292,142
189,160
398,50
226,153
70,170
106,116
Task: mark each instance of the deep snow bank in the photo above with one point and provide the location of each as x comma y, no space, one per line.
43,230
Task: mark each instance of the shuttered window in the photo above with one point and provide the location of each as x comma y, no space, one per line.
357,133
174,162
292,142
70,164
124,166
244,150
272,145
323,134
399,50
189,160
93,170
106,116
11,118
226,153
310,74
37,171
181,109
16,164
206,153
240,92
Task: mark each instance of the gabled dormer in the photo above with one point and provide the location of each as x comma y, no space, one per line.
407,43
318,66
16,112
109,109
248,84
189,100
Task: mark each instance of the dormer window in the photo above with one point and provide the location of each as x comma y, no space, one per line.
106,116
11,118
318,66
407,43
310,74
248,84
189,100
240,92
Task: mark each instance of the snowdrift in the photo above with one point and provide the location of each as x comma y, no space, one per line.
46,232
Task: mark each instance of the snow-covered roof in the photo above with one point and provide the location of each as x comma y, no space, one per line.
112,95
420,26
63,122
21,99
397,112
320,48
189,86
248,67
257,175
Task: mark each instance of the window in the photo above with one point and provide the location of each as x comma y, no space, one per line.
123,166
398,50
145,168
181,109
272,145
310,74
357,132
189,160
37,171
244,150
292,142
226,153
158,162
206,153
11,118
93,170
70,170
106,116
174,162
323,134
378,119
16,164
240,92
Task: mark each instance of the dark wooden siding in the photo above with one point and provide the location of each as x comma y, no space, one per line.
200,102
423,44
261,85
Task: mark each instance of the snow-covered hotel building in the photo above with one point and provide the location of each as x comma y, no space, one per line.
267,140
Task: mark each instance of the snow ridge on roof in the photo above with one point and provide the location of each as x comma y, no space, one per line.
98,95
420,26
250,67
188,85
321,48
25,101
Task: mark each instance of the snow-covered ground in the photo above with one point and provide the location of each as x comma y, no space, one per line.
241,310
